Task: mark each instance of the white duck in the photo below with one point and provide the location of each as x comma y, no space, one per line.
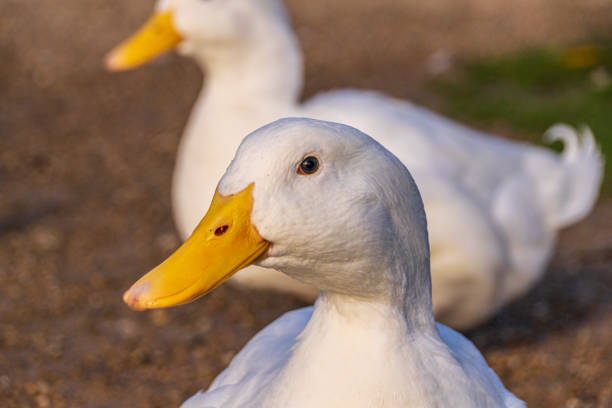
329,206
494,206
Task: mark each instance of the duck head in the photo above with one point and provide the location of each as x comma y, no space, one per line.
208,30
319,201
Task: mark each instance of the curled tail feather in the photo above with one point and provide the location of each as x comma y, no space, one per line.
583,164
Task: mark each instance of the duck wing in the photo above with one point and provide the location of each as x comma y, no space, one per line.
255,365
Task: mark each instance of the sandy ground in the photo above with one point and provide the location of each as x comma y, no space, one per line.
85,166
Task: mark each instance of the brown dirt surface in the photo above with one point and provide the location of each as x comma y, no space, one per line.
85,167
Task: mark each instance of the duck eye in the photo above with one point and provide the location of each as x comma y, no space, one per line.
308,166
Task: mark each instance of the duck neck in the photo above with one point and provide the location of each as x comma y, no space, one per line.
353,353
262,73
373,315
404,295
410,289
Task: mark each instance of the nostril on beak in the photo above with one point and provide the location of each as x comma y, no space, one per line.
221,230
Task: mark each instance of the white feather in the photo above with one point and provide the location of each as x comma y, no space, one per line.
494,206
357,230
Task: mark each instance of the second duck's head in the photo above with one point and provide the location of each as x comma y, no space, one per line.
319,201
214,32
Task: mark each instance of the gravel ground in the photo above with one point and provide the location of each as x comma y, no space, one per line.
85,167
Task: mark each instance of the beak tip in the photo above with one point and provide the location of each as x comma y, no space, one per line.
112,63
133,297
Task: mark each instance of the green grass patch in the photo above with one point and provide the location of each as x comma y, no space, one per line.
529,91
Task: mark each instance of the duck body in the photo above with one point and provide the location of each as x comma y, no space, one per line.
290,364
328,206
494,206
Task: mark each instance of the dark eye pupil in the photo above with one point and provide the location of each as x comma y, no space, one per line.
309,165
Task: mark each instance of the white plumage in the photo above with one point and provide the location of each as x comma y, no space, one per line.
494,206
243,382
370,340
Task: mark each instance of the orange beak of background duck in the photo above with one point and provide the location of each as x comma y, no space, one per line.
224,242
157,36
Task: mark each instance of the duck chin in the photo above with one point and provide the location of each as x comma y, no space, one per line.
351,279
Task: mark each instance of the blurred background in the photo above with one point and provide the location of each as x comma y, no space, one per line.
86,159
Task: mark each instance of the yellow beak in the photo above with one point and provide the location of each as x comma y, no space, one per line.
157,36
224,242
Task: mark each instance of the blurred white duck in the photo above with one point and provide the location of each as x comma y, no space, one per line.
494,206
329,206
